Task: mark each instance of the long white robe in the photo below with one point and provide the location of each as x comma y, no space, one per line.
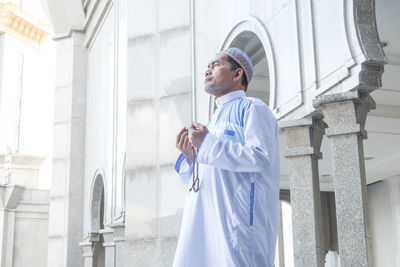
232,219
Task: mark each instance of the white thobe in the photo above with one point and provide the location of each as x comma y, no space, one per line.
232,219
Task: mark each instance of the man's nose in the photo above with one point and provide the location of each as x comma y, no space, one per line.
207,73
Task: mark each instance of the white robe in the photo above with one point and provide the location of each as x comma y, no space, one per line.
232,219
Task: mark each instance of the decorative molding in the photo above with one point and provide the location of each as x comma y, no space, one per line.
10,196
335,78
67,34
86,4
347,31
370,44
93,31
24,161
297,100
22,25
89,10
288,106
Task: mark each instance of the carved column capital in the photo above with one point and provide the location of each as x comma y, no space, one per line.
345,113
303,136
10,196
108,236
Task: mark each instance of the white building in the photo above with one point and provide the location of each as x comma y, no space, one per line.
25,79
129,76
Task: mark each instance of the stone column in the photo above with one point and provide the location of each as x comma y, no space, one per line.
9,201
109,247
90,247
281,244
345,113
303,140
87,255
119,240
66,200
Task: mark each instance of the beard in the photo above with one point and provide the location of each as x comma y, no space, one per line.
212,89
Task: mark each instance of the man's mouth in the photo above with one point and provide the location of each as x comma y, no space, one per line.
206,80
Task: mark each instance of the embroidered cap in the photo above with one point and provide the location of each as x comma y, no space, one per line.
242,59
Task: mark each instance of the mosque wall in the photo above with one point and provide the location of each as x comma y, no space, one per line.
100,102
24,215
159,105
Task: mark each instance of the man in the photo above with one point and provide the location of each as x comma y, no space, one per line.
231,210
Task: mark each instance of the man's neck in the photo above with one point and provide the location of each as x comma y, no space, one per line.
228,92
229,96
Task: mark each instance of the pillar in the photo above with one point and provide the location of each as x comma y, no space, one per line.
345,114
109,247
303,140
119,241
87,255
66,200
9,201
280,241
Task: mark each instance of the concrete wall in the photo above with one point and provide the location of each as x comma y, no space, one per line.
384,221
24,216
159,105
31,229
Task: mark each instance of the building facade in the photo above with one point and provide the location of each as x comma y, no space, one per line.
129,76
24,205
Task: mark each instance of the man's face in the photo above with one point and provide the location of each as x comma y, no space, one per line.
219,76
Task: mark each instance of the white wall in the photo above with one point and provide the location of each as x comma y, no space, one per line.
31,229
384,221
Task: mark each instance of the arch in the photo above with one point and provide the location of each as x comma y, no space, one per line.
97,202
250,35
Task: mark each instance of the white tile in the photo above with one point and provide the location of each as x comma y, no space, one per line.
57,219
142,17
142,134
175,62
174,14
141,204
142,69
172,198
175,113
61,141
62,104
59,178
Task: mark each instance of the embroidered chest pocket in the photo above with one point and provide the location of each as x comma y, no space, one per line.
229,132
231,135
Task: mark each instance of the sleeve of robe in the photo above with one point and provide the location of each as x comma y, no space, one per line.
184,169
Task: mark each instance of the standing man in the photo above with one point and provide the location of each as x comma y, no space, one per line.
231,211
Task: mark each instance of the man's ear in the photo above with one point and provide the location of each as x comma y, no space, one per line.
239,74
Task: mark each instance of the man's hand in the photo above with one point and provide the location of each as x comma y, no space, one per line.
183,144
197,132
